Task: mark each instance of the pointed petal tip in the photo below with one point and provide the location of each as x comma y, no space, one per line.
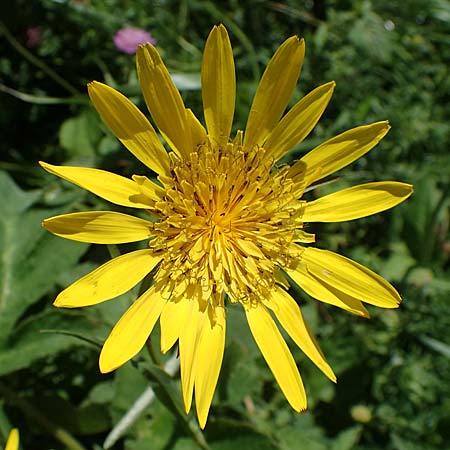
384,124
105,364
302,406
202,418
397,302
142,48
147,45
103,367
299,41
57,303
164,350
95,85
219,27
187,405
410,188
61,302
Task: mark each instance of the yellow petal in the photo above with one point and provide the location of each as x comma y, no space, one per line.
99,227
277,355
188,344
130,126
111,187
109,280
304,237
163,100
291,319
171,322
132,330
325,293
338,152
13,440
299,121
209,360
274,91
357,201
218,85
350,277
198,131
148,187
238,139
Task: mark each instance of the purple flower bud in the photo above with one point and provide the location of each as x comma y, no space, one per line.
128,38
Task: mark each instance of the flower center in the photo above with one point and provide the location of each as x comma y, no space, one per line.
228,223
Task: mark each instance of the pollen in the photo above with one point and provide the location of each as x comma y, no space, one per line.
229,223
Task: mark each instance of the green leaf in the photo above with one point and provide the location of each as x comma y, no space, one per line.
93,419
129,383
155,432
31,259
248,442
347,439
170,396
101,393
165,389
14,200
30,345
185,444
79,135
302,434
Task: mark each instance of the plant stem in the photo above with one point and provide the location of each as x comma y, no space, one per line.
113,250
36,61
42,99
152,352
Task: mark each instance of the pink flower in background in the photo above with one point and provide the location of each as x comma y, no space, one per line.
128,38
34,36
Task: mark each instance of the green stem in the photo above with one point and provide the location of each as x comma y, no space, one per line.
36,415
192,426
98,345
36,61
42,99
113,250
159,377
152,352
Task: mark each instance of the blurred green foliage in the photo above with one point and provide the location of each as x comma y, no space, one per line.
390,60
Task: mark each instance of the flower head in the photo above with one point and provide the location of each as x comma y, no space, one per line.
230,225
13,440
127,39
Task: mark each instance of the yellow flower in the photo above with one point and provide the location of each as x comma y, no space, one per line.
13,440
230,222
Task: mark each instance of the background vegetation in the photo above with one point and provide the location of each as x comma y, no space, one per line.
390,60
